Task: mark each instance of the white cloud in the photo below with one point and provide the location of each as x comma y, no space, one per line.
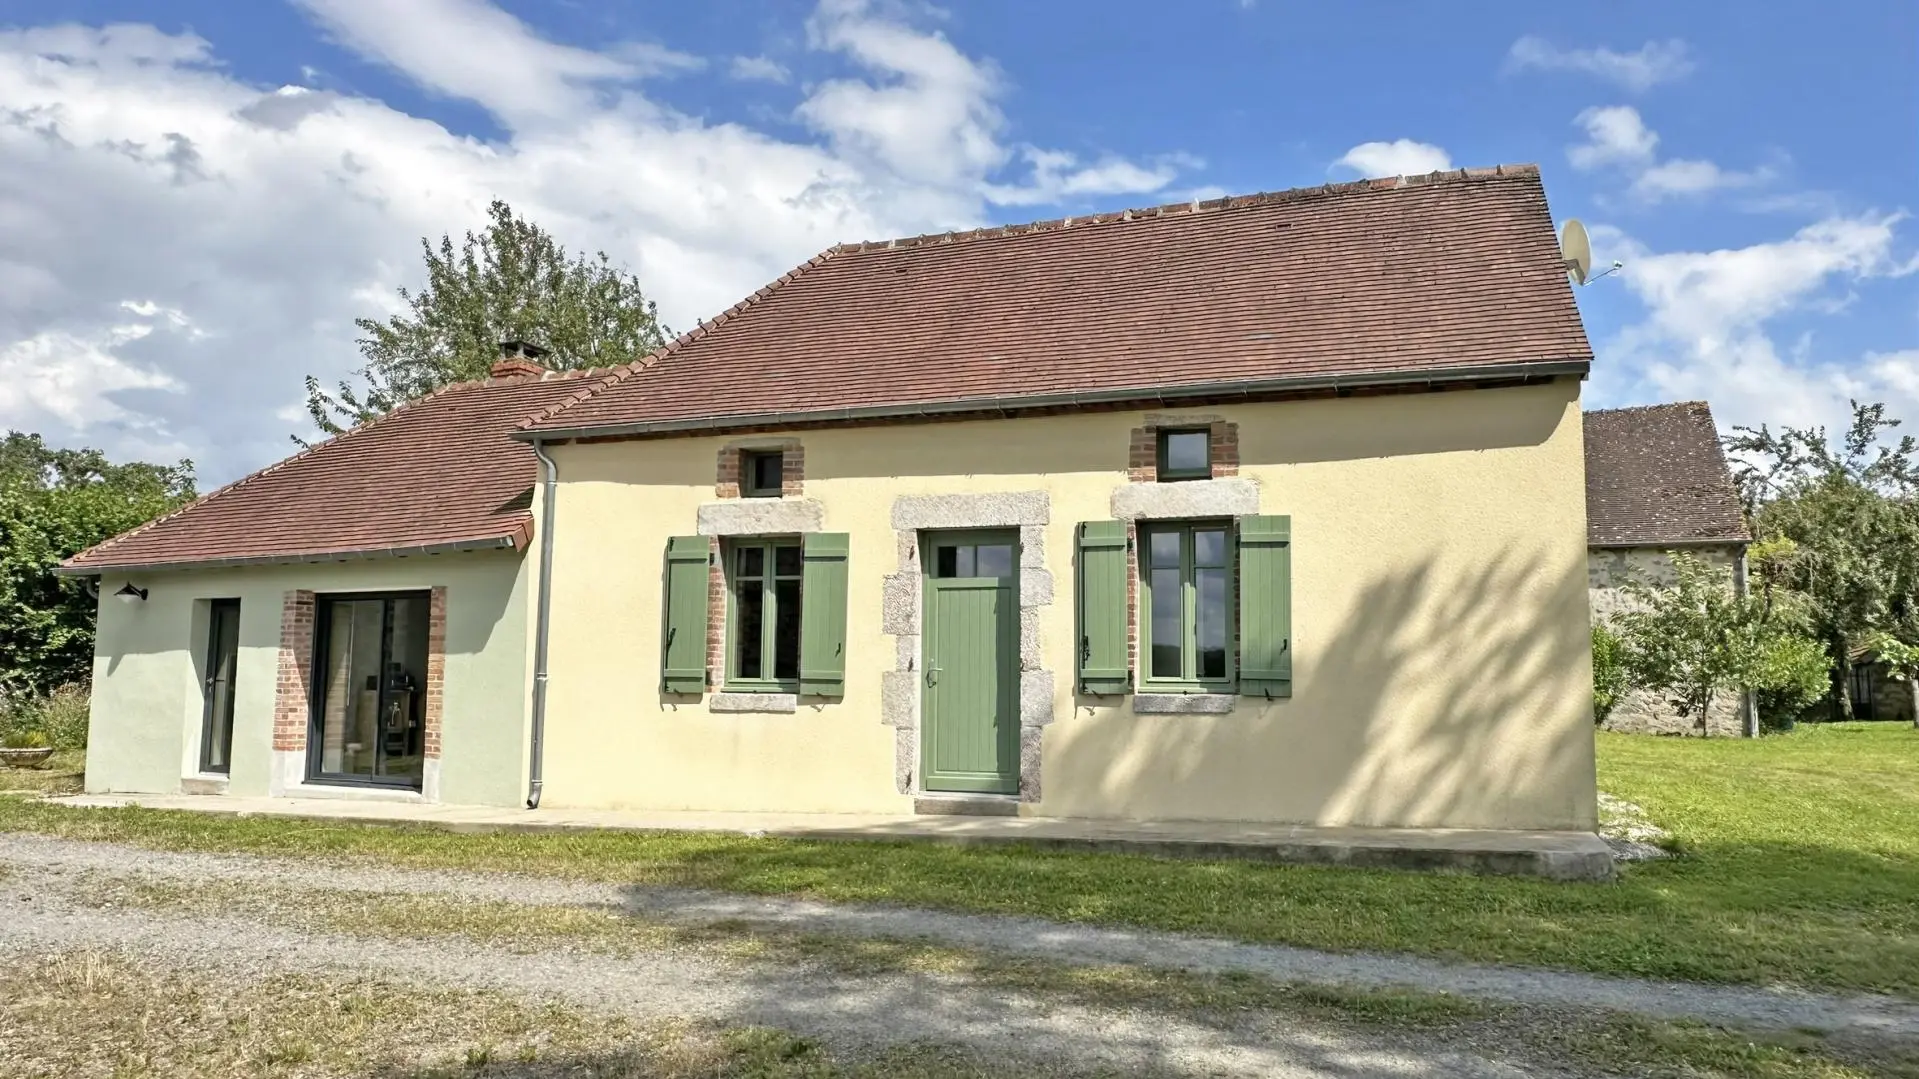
140,181
1643,68
1617,137
758,69
1708,331
1400,157
1614,135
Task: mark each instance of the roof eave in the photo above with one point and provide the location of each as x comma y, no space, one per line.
504,541
1717,541
1001,405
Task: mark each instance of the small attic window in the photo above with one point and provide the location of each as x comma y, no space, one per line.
1186,455
762,474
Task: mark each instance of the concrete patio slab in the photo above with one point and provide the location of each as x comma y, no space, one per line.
1580,856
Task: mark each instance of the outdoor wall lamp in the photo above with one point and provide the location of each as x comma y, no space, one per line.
129,594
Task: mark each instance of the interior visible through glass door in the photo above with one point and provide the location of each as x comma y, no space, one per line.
370,713
223,655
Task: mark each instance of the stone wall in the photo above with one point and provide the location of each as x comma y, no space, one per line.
1608,571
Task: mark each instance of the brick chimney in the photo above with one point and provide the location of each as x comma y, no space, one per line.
518,360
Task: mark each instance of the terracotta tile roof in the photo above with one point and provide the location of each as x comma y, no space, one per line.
1656,475
1368,281
439,474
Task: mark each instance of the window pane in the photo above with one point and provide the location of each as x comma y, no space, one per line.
1186,451
786,561
403,707
747,627
1212,622
946,562
752,561
786,629
350,720
1165,548
1164,585
995,560
766,469
225,650
965,567
1209,548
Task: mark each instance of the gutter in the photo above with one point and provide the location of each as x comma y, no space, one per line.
484,543
543,621
1539,369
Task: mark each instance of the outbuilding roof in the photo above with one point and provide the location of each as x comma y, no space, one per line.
1413,279
437,475
1656,476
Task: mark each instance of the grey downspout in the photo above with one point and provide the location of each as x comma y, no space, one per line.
542,621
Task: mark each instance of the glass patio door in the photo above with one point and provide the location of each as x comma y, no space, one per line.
369,716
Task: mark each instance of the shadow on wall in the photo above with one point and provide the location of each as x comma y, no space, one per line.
1441,697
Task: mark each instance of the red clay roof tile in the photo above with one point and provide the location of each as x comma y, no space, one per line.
1656,475
1415,274
437,474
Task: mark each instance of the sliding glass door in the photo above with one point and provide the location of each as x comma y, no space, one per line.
369,709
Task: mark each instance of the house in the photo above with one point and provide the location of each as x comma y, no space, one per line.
1266,509
354,619
1657,482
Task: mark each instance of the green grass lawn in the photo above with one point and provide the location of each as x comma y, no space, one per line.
60,775
1801,867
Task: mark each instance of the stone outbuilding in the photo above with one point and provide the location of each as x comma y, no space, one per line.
1657,482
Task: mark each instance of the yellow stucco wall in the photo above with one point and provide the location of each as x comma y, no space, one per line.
149,659
1441,664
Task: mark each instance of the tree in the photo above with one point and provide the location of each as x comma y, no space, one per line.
512,282
54,504
1698,640
1848,512
1611,679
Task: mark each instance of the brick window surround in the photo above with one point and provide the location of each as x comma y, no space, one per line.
726,483
293,691
1142,458
1142,466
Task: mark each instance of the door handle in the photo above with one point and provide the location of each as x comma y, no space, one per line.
932,676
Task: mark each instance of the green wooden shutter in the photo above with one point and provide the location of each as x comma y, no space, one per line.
823,615
1265,606
1102,608
683,651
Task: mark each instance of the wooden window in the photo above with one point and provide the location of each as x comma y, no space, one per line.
1185,455
762,473
1186,578
763,619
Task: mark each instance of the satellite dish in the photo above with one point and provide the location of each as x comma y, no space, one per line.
1575,250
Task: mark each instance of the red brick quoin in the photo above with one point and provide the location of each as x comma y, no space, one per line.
435,668
292,690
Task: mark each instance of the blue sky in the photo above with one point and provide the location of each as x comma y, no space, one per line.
197,198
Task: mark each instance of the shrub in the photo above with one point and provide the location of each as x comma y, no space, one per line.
1610,672
57,719
63,716
23,738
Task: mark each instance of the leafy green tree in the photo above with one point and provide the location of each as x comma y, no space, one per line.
53,504
1611,678
1847,510
511,282
1698,640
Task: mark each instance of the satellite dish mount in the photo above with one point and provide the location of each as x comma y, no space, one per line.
1576,254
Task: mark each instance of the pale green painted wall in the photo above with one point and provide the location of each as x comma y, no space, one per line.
148,658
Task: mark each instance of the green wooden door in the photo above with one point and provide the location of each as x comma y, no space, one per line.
970,742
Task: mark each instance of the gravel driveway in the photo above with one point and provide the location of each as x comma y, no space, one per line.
43,908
